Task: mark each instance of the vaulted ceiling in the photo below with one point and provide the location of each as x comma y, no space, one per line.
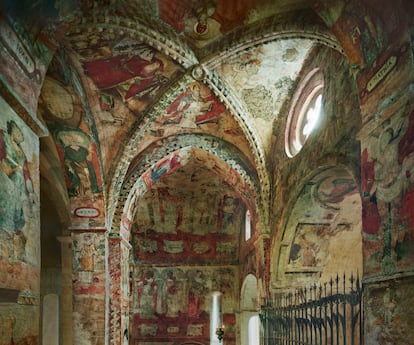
162,114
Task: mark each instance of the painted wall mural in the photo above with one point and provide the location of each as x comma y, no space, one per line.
323,234
201,220
89,282
181,227
174,303
19,229
61,109
309,248
24,61
387,170
362,30
387,318
19,201
195,106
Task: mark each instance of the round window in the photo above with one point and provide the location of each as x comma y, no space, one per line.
304,112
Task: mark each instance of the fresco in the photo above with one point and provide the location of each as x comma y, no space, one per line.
322,237
12,316
260,77
126,288
201,18
228,153
174,303
387,317
89,286
130,71
309,248
387,170
23,64
195,106
19,202
205,21
193,109
362,30
19,229
88,262
182,225
201,220
61,109
116,290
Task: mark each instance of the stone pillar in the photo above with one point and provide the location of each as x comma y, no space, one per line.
89,286
66,297
263,261
119,291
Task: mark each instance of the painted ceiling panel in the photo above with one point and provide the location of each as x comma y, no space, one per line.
129,71
122,86
202,22
262,77
193,109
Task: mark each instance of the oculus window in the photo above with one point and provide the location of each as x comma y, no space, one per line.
248,226
305,112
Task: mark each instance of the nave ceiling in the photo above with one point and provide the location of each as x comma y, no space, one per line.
162,114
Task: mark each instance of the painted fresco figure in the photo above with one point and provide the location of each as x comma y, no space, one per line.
147,295
87,254
164,166
226,214
171,295
17,194
139,75
357,27
191,108
197,291
391,174
78,162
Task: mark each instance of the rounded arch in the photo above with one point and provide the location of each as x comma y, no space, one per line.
73,139
174,161
305,25
244,40
322,233
249,293
249,305
141,133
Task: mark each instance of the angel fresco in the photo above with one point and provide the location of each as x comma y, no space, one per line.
195,106
139,75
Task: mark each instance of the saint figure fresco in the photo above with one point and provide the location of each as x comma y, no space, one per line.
78,160
17,194
147,295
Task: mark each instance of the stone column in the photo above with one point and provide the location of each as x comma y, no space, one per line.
119,294
263,261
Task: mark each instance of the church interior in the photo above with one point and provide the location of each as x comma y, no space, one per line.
200,172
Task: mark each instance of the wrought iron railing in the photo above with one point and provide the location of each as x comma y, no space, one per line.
329,314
